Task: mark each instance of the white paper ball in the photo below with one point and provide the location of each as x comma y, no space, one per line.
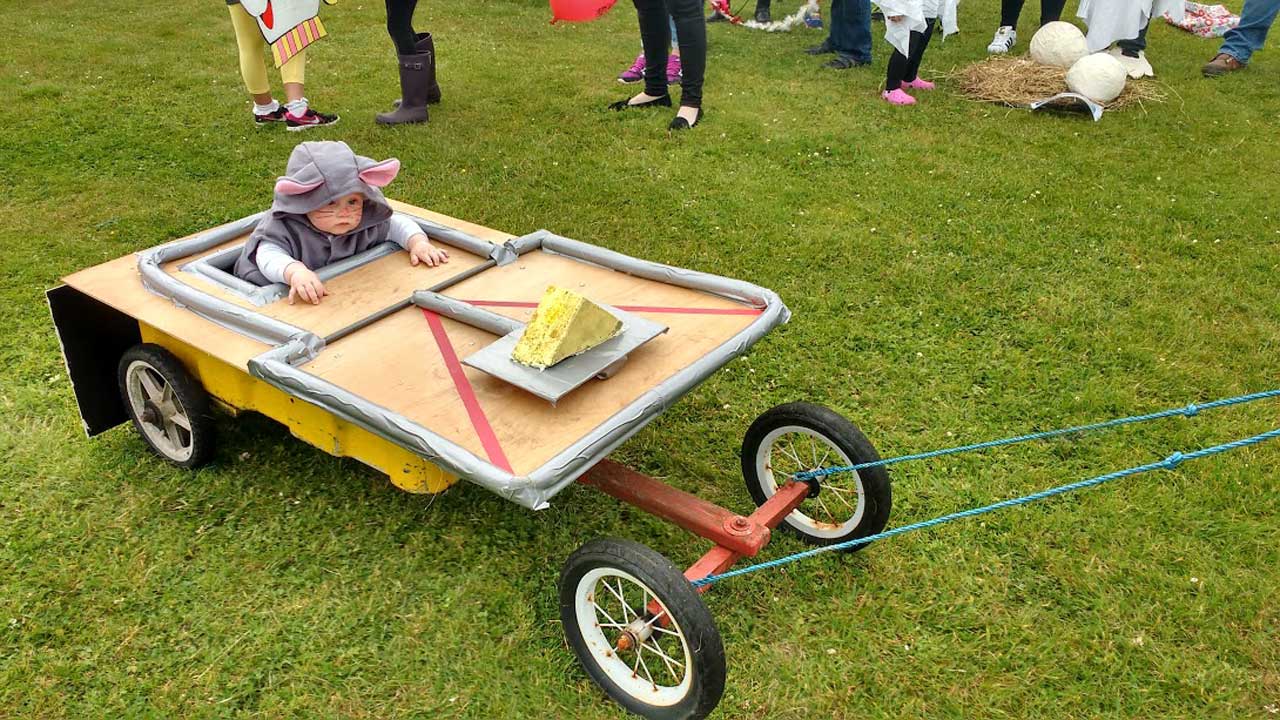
1059,44
1099,77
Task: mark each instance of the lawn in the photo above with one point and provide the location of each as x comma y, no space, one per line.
957,272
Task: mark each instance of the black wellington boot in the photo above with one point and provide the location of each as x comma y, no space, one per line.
427,46
413,92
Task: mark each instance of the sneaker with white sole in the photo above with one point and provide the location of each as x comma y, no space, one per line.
1006,37
307,120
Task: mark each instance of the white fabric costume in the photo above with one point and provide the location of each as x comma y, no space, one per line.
1110,21
913,15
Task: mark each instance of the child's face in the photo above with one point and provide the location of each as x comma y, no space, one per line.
340,216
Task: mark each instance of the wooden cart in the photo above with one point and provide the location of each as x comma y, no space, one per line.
638,626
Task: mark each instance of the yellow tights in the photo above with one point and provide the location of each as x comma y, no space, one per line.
252,68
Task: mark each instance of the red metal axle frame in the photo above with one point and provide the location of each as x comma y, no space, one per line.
735,536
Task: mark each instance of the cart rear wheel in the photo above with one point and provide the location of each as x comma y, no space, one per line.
802,436
167,406
641,631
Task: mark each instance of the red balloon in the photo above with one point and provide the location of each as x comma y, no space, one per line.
579,10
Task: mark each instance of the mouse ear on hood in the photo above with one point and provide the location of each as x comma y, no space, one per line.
377,174
303,180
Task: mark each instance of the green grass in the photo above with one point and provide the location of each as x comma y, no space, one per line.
957,271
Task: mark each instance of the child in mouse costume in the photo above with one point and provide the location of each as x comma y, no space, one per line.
327,207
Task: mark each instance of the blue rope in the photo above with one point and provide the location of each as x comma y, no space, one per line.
1168,463
1186,411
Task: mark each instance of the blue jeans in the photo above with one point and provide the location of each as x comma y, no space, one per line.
851,28
1255,20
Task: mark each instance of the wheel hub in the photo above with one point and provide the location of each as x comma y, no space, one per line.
151,414
635,634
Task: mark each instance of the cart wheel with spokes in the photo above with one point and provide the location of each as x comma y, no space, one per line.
641,630
167,405
800,436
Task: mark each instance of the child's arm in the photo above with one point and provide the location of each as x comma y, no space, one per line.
406,233
277,265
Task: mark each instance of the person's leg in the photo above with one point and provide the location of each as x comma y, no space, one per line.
860,24
850,37
1131,47
762,11
655,39
1010,10
840,39
249,44
897,70
415,64
1249,36
919,43
400,26
1051,11
692,30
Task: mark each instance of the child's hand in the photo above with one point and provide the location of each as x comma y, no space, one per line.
304,284
421,250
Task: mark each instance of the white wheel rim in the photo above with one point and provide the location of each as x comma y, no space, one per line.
657,671
170,430
791,449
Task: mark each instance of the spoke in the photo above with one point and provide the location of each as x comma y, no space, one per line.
825,508
665,631
635,668
180,420
619,598
648,675
171,432
149,385
841,498
612,622
166,395
650,622
791,450
826,453
813,447
665,658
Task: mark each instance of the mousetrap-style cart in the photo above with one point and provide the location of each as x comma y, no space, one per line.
406,369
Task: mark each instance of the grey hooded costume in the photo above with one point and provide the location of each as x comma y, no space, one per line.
317,174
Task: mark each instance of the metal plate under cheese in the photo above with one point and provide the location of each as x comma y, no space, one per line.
562,378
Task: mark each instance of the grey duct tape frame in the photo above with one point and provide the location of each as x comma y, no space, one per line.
279,366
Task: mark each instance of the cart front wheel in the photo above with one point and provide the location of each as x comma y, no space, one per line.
641,631
167,405
799,437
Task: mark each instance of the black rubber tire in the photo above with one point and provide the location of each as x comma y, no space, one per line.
685,606
188,393
844,435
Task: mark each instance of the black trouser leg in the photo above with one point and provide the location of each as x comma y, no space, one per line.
691,28
655,38
919,42
1009,12
400,25
1051,11
897,70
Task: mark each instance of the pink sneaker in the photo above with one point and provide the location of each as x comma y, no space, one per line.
898,97
635,73
918,84
674,72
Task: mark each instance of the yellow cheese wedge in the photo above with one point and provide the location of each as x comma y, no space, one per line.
564,325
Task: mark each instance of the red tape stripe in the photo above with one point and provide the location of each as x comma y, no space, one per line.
631,308
467,394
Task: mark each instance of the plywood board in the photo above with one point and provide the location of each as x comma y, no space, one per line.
355,294
403,363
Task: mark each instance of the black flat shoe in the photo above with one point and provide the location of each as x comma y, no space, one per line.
680,123
664,101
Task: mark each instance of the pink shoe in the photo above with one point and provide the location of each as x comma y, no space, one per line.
898,97
918,84
674,72
635,73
